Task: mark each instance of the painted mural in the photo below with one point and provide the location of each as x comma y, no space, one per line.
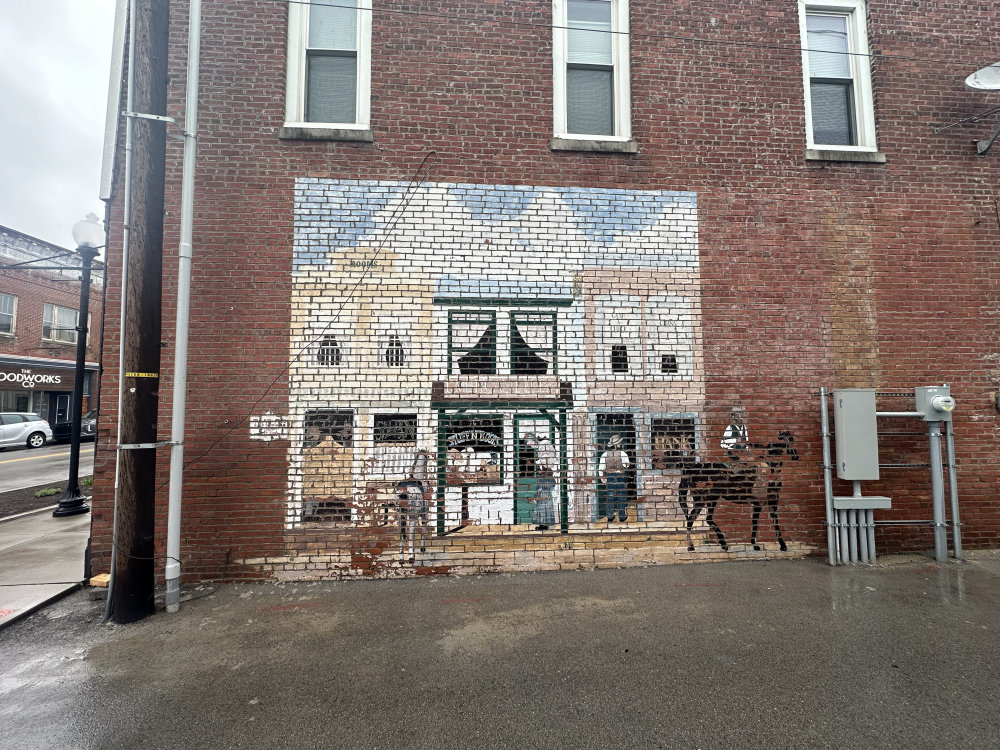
494,360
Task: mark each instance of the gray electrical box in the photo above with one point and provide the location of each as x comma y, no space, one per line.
856,433
935,402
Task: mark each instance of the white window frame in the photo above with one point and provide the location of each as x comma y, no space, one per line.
12,313
295,88
620,77
860,63
53,320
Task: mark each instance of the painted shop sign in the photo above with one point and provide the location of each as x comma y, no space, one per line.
268,426
475,451
51,380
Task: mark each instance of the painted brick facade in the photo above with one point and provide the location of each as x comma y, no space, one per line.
458,287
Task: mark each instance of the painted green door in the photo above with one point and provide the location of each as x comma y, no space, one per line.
525,475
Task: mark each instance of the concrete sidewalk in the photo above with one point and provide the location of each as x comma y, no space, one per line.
771,655
41,559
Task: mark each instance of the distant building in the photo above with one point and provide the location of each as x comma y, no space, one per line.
39,303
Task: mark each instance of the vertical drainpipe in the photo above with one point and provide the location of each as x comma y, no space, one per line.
185,253
937,493
831,524
956,524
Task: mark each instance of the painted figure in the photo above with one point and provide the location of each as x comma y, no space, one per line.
544,513
611,473
736,439
411,495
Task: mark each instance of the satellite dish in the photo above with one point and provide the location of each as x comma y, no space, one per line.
985,79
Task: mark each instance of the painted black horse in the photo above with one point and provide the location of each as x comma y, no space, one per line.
742,481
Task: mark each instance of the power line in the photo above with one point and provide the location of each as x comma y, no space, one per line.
631,33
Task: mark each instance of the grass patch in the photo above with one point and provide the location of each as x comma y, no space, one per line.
87,481
47,492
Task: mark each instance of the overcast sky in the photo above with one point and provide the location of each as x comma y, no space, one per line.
55,58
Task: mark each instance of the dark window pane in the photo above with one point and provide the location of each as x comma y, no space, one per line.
395,355
589,102
523,360
672,442
481,359
668,364
395,429
336,425
619,358
331,89
832,116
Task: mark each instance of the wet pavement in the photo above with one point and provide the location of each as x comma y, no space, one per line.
41,559
778,654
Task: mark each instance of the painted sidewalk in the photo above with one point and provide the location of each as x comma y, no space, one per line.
41,559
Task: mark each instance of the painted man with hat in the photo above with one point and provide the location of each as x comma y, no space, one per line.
611,472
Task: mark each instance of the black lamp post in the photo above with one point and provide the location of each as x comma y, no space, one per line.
89,236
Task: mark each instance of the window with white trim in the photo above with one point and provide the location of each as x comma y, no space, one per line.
644,338
8,313
329,64
837,76
59,324
591,69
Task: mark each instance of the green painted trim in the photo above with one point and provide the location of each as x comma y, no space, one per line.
504,301
442,468
563,471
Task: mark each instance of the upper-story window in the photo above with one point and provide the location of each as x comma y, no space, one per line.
591,69
491,342
59,324
330,353
8,313
837,76
651,338
329,64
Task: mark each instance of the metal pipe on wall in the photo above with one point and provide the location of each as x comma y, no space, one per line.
863,535
870,518
831,524
956,524
842,520
937,493
852,537
184,255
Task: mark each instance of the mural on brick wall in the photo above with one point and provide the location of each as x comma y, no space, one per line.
489,360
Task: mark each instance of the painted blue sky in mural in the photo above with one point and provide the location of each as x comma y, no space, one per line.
331,215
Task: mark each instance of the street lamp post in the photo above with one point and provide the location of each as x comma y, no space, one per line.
89,236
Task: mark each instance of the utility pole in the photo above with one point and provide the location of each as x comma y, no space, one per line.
133,582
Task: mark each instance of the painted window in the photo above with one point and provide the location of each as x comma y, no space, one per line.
837,76
330,352
59,324
8,311
672,442
650,338
394,438
475,450
324,426
591,69
532,343
619,329
472,342
329,63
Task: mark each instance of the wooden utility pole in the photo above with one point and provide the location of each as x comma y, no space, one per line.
132,595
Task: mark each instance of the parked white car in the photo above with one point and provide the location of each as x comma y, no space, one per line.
20,428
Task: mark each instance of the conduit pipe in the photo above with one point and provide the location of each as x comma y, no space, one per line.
184,256
831,523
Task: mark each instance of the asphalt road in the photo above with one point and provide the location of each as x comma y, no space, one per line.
30,467
783,655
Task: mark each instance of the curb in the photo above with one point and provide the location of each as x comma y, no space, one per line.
28,513
70,588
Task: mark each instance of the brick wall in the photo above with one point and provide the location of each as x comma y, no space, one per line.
804,274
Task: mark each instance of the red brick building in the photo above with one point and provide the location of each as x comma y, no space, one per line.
501,272
39,303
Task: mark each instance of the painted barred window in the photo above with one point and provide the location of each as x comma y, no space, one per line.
394,354
672,442
472,342
394,429
330,353
8,309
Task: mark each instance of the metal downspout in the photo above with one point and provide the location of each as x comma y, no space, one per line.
956,524
184,256
937,492
831,524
